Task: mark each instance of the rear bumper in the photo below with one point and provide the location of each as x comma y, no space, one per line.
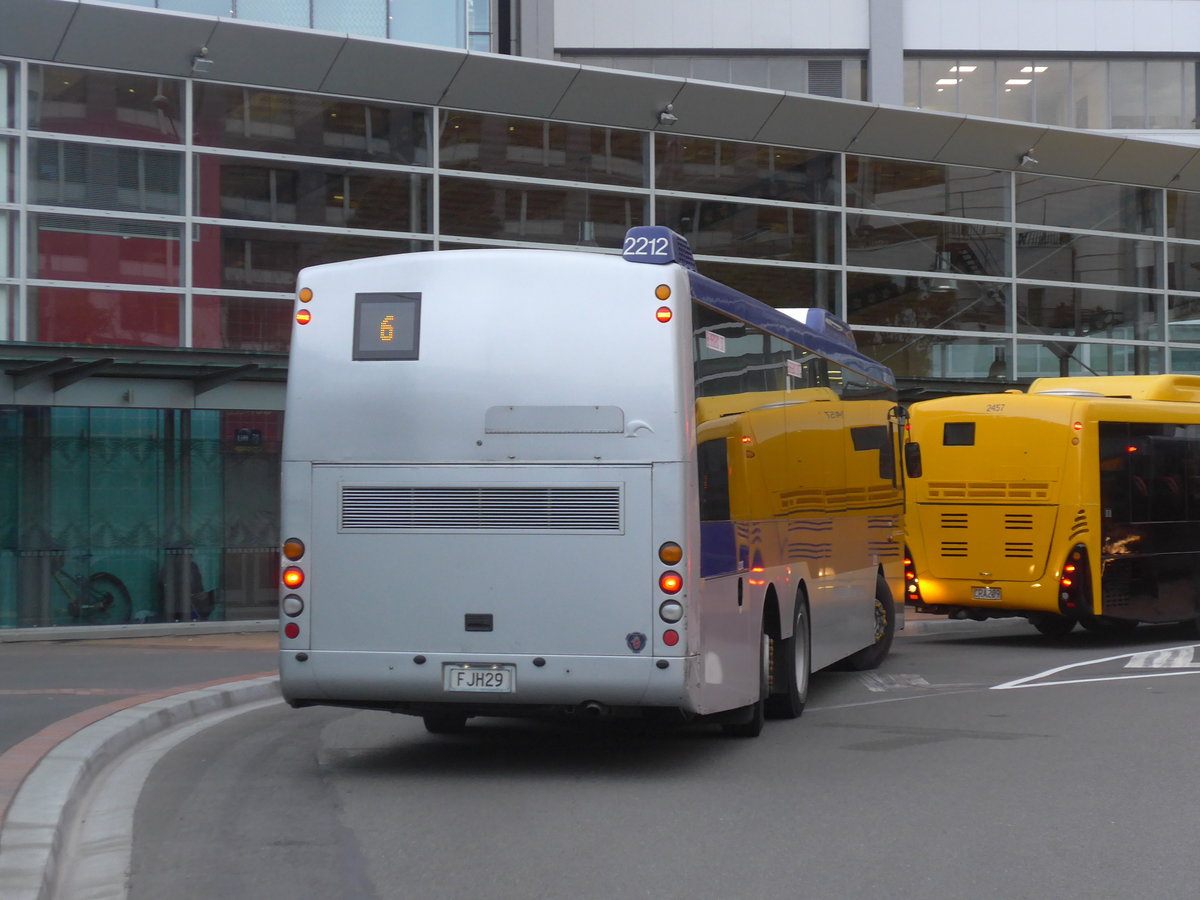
396,681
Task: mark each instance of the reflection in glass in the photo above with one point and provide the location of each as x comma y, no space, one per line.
481,209
242,323
1183,216
112,251
909,301
281,191
1052,78
1183,314
925,245
106,104
274,12
1014,89
1062,359
1089,86
367,17
1164,94
504,145
257,259
114,318
725,228
745,170
1055,309
106,176
1127,84
939,86
976,87
780,286
1075,203
1183,266
1091,259
926,188
949,357
8,90
246,118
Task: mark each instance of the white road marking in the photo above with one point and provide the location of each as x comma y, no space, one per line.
880,683
1171,653
1175,658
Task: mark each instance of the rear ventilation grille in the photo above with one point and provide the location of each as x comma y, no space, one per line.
989,490
954,520
1018,550
482,508
1018,521
956,549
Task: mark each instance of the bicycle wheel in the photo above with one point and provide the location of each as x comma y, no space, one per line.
107,600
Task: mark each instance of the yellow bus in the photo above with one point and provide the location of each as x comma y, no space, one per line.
1077,502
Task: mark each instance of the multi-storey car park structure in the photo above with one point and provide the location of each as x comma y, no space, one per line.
169,171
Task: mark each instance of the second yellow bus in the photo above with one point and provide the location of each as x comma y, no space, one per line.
1077,502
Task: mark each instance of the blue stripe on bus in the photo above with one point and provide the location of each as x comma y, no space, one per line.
753,312
718,549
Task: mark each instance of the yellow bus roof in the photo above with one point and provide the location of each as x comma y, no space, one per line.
1178,388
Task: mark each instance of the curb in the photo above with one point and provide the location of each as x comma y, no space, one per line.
158,629
936,626
31,838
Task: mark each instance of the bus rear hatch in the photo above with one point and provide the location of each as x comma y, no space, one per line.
543,559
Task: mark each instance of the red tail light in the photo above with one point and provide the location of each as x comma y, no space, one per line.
293,577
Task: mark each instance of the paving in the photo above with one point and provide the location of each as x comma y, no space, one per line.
71,706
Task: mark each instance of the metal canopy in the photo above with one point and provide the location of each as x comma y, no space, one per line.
99,34
722,110
816,122
372,68
66,364
988,142
85,32
508,84
615,98
908,134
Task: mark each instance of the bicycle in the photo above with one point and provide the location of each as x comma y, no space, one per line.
100,598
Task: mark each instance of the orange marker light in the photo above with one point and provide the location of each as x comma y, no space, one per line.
303,317
306,294
670,553
293,548
293,576
663,292
664,314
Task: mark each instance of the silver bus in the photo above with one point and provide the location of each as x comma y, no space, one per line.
520,482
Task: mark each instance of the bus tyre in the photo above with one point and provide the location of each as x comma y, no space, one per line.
749,719
1053,625
791,665
444,723
1108,625
885,630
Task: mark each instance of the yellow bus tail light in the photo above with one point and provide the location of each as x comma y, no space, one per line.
303,317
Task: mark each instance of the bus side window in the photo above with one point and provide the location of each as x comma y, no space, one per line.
912,459
713,464
875,437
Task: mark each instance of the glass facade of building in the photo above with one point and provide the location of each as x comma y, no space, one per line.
1081,92
138,211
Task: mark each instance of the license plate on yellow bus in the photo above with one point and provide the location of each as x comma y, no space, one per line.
497,679
985,593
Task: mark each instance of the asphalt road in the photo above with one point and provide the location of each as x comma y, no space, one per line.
988,763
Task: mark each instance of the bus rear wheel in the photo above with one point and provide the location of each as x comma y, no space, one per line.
1108,625
750,719
444,723
1052,624
791,666
885,630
